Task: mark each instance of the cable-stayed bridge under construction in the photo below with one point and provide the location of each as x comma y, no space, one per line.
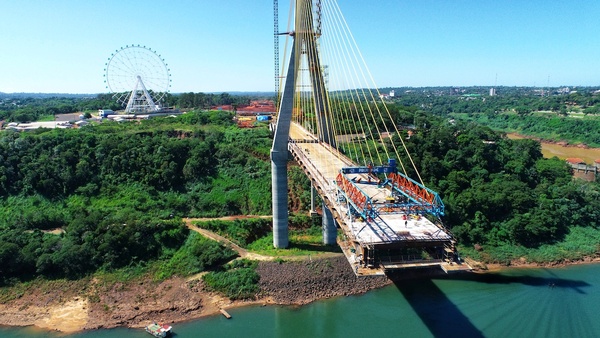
339,129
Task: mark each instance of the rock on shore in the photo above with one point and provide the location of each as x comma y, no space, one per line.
301,282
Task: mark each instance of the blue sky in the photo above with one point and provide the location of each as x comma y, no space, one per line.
61,46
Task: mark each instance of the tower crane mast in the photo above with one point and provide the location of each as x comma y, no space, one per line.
276,45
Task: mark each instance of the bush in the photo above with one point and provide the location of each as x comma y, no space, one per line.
579,243
196,255
239,280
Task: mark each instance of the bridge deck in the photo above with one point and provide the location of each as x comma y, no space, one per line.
392,230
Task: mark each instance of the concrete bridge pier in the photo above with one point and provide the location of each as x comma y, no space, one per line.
313,197
280,198
329,227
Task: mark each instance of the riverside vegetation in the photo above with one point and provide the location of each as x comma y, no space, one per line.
107,199
553,114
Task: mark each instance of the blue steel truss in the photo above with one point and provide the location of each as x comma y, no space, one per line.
367,211
414,202
410,198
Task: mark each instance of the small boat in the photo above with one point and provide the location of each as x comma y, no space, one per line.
159,330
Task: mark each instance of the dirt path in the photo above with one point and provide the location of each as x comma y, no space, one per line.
243,252
215,237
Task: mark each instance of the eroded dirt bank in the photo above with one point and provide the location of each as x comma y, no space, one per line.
71,306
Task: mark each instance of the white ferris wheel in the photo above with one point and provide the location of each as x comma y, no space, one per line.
138,78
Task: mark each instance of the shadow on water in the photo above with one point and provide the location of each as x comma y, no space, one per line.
441,316
497,278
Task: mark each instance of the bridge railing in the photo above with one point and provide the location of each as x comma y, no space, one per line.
316,174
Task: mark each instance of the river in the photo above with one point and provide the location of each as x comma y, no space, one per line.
518,302
551,149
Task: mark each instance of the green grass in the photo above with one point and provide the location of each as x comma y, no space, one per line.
42,286
126,274
255,235
240,231
8,293
302,243
46,118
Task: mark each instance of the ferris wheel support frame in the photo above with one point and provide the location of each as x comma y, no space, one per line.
140,100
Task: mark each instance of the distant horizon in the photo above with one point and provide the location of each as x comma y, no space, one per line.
242,92
56,47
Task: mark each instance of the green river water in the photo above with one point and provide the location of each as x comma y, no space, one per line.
563,302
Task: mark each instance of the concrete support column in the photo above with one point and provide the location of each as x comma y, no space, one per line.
280,198
329,228
313,197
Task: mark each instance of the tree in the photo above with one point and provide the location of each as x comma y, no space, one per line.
522,110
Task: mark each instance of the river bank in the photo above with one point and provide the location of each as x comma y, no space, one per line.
523,264
563,149
72,306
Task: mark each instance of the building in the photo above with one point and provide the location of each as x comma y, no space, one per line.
582,170
105,112
574,160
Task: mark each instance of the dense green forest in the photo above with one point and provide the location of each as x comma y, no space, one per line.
111,195
445,100
499,190
548,127
116,191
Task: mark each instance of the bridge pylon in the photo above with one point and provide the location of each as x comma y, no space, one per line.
304,49
387,220
305,41
279,159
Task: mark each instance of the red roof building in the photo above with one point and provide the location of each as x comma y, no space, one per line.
574,160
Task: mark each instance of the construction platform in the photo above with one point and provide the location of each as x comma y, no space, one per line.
393,224
395,239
